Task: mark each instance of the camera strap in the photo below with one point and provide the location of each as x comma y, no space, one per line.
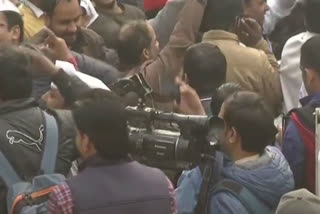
206,169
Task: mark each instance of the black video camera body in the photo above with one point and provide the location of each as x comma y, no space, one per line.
181,141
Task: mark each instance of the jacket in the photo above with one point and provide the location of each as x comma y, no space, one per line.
268,178
254,69
290,73
120,188
293,146
160,73
21,136
108,24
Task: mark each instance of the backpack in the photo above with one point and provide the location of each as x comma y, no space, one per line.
247,199
304,119
31,197
241,193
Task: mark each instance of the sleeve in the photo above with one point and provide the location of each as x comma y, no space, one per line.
168,63
70,87
96,68
163,24
226,203
60,200
270,78
293,150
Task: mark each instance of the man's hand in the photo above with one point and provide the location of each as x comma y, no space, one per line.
40,37
249,31
57,47
190,102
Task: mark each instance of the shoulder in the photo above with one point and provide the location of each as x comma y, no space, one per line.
133,12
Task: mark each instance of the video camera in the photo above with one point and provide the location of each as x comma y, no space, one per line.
167,140
182,145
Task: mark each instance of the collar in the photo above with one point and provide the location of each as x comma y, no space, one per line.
220,35
97,161
247,159
311,99
37,11
16,105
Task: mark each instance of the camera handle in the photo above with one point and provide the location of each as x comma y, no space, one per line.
207,171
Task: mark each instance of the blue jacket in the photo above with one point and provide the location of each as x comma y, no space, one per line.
293,146
268,178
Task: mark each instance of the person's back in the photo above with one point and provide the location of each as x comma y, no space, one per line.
109,22
291,79
107,174
22,122
253,68
299,136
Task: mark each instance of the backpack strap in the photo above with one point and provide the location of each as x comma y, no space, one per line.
307,116
7,173
49,157
252,204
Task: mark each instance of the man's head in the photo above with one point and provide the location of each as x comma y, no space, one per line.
256,9
249,125
221,15
310,65
15,80
11,27
63,17
137,43
312,15
102,125
206,68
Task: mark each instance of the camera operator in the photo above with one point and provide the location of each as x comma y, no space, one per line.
117,184
252,177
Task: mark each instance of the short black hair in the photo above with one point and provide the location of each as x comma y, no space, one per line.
134,37
221,94
14,19
221,14
248,114
100,115
206,68
312,15
15,79
310,54
50,5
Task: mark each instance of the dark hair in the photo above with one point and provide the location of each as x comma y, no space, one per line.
221,94
206,67
15,80
134,37
100,115
312,15
248,114
14,19
310,54
50,5
221,14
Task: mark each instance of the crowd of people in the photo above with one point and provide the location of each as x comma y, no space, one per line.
65,145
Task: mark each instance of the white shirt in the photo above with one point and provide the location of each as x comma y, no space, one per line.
278,10
290,73
37,11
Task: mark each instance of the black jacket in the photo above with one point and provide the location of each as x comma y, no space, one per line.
22,131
